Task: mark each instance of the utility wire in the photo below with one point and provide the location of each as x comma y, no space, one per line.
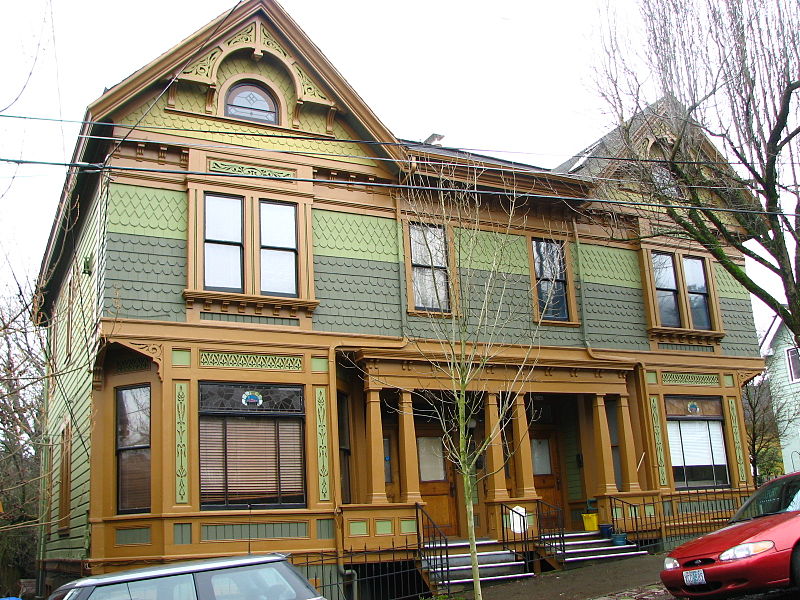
99,168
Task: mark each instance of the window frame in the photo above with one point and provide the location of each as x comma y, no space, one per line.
253,415
568,281
449,271
794,375
260,87
133,448
227,243
65,480
682,294
250,300
283,114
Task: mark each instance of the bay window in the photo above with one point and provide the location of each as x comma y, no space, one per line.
682,292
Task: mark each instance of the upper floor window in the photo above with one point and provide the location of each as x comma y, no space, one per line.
224,247
682,291
793,363
251,102
551,280
429,267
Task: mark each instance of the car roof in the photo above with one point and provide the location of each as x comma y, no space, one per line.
178,568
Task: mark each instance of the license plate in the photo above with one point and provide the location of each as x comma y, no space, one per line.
695,577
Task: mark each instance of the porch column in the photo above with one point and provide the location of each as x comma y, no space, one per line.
409,464
495,468
376,490
523,462
630,478
604,463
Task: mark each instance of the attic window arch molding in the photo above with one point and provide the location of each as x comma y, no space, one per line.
251,97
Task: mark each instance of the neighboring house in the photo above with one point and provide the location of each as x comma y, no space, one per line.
239,297
783,370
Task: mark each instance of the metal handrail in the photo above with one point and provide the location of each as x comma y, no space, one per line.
432,548
544,538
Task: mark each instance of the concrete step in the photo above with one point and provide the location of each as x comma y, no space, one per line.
602,557
496,579
485,571
605,549
483,558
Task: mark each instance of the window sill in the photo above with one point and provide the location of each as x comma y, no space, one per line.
436,314
685,336
554,323
227,302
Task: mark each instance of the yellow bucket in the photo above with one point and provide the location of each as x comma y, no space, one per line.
590,521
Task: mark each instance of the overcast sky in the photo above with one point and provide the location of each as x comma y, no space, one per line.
506,75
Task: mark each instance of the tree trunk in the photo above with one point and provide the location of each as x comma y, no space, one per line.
473,548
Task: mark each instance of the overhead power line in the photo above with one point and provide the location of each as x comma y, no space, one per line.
100,168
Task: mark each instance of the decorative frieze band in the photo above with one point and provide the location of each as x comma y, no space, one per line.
676,378
219,166
322,442
268,362
658,437
737,439
181,443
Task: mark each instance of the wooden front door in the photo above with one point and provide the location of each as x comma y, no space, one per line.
546,472
437,482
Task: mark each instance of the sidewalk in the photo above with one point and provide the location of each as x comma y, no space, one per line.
631,579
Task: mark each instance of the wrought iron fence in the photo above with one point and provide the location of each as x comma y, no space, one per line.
389,573
434,554
664,522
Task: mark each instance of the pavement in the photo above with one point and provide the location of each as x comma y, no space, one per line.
631,579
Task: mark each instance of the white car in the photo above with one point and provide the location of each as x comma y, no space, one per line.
252,577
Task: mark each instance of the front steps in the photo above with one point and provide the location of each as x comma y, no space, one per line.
495,565
583,547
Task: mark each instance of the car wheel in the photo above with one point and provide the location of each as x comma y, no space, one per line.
795,566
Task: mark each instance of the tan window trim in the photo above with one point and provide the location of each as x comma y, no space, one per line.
572,304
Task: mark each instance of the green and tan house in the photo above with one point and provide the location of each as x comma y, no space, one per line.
243,300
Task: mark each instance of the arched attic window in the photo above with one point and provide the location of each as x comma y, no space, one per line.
251,102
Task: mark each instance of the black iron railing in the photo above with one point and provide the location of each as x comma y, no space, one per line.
667,521
533,536
434,554
388,573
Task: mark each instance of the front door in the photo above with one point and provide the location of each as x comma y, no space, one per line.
437,482
546,473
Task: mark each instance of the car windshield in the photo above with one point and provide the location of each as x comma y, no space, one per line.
781,495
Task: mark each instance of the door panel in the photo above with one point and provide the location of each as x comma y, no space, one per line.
546,474
437,482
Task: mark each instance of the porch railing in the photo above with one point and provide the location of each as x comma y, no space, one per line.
664,522
434,554
533,536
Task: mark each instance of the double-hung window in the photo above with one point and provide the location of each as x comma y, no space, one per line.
793,364
696,442
251,446
682,291
551,280
133,449
429,267
226,243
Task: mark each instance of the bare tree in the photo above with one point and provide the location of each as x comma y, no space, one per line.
768,418
726,73
472,290
22,371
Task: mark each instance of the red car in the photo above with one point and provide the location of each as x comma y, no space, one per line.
758,550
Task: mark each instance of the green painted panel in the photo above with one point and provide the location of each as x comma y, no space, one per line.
321,402
244,531
492,251
181,442
182,533
259,320
325,529
358,527
727,286
147,211
408,526
145,278
571,443
651,377
133,535
269,362
728,380
384,527
347,235
319,364
181,358
685,348
610,266
740,331
358,296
